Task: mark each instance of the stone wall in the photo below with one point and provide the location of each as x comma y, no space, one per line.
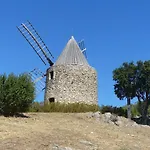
71,83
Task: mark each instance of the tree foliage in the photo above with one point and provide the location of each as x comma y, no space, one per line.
124,87
143,86
16,93
133,81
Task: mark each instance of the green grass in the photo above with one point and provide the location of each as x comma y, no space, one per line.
63,107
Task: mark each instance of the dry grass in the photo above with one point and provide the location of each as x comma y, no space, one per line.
44,130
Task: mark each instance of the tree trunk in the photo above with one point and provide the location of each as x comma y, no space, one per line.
128,108
139,105
144,112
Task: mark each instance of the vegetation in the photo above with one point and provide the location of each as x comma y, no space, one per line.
120,111
133,81
124,86
16,94
136,110
62,107
81,107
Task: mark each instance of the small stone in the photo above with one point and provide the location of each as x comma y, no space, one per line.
68,148
97,114
56,147
86,142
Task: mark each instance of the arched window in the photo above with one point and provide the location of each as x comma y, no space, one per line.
51,75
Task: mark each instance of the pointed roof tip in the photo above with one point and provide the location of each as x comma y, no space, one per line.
72,55
72,37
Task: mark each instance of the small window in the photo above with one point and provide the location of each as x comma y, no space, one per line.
52,100
52,75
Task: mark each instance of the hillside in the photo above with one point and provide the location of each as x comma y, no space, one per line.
59,131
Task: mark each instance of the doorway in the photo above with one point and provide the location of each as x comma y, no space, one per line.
52,100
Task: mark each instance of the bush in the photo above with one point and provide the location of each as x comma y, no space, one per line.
63,107
149,110
16,94
120,111
35,107
135,110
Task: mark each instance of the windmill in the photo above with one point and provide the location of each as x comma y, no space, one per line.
35,41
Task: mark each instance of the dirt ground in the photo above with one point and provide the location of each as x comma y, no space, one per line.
51,131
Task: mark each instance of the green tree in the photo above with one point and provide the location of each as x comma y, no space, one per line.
133,80
2,92
124,86
143,88
17,93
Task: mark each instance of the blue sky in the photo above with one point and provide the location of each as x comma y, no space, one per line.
114,31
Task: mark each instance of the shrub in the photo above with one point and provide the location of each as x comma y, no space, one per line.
16,94
120,111
135,111
149,110
35,107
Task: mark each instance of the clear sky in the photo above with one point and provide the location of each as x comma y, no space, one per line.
114,31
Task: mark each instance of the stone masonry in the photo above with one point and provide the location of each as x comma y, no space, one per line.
71,83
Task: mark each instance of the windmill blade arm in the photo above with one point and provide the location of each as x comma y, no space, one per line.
83,50
38,79
82,47
32,46
36,42
41,39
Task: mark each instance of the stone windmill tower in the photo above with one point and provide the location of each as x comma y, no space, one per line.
71,79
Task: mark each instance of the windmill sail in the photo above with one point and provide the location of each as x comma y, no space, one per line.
82,47
39,79
36,42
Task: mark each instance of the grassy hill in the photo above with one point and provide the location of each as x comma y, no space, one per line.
69,131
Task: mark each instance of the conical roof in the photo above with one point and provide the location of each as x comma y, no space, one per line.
71,55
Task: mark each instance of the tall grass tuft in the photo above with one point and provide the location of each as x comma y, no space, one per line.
63,107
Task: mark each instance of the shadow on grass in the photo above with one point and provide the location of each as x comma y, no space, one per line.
17,115
21,115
